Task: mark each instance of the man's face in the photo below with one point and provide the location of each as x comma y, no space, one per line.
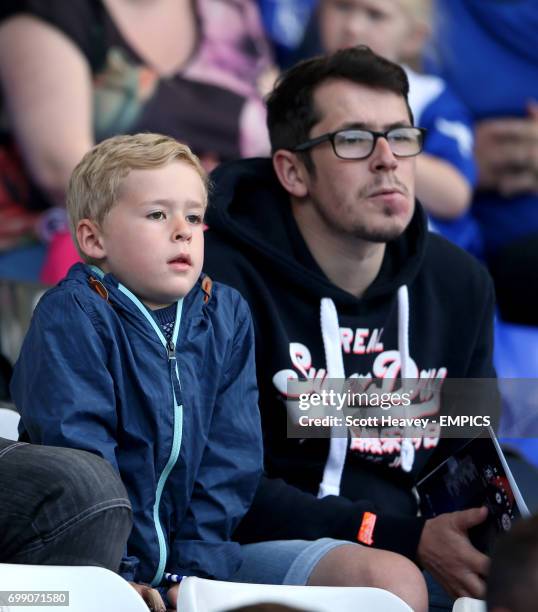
153,235
371,199
383,25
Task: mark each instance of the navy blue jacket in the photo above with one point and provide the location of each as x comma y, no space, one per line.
178,420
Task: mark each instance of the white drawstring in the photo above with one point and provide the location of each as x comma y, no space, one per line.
407,450
330,331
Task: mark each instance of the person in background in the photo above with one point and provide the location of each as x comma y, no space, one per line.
74,73
288,27
487,52
513,577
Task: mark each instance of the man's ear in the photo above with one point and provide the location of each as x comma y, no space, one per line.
291,173
89,239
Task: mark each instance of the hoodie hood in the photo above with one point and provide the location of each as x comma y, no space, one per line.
250,207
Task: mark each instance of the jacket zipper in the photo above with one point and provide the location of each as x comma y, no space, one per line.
174,454
177,407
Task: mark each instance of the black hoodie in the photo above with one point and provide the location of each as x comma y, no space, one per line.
254,245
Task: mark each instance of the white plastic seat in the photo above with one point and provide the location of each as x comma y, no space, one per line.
9,423
199,595
91,589
467,604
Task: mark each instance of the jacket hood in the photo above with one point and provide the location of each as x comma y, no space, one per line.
250,206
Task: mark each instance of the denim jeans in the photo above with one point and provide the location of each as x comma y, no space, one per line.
439,599
60,506
283,561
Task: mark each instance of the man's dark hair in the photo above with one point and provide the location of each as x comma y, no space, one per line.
513,576
291,113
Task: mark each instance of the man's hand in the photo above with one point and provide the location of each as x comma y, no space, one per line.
506,150
151,596
446,552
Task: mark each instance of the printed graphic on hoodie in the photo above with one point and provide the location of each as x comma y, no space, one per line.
382,375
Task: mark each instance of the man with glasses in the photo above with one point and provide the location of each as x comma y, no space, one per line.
330,248
349,143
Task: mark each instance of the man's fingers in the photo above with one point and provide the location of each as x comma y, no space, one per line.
464,584
466,519
473,586
461,586
477,562
472,559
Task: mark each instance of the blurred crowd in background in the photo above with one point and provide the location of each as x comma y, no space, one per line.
74,73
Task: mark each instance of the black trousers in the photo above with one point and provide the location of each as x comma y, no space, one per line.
60,506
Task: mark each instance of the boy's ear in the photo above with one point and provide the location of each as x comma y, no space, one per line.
89,239
291,173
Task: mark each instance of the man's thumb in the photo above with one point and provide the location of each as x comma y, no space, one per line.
473,516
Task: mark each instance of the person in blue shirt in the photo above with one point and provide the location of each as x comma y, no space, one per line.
487,52
137,358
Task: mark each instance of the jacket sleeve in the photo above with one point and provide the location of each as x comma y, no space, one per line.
282,511
230,468
61,385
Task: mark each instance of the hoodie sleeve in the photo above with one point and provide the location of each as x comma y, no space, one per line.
479,371
230,468
281,511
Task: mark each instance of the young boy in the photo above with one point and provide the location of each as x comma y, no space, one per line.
137,358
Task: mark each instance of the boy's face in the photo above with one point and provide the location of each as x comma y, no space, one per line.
384,25
153,238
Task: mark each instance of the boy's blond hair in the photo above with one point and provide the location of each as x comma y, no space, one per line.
96,180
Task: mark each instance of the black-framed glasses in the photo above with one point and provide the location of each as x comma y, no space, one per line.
359,144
